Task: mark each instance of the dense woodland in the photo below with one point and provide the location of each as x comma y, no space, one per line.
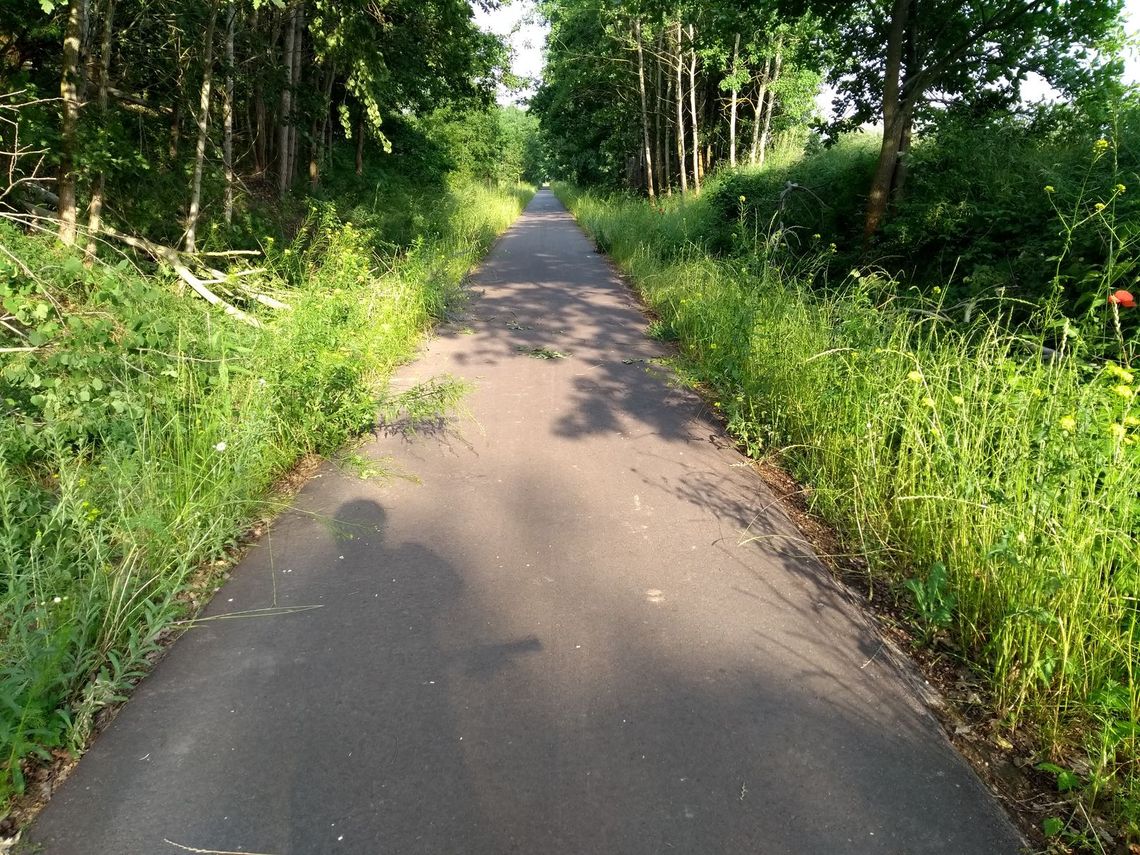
923,306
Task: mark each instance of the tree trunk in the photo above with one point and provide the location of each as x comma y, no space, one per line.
693,109
665,122
99,185
179,88
286,117
681,114
644,108
360,146
765,134
203,128
320,128
894,120
732,107
69,95
228,117
659,126
757,123
298,66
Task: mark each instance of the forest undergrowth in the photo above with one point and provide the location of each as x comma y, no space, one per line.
144,430
981,454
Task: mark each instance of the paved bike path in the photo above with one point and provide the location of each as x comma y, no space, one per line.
572,621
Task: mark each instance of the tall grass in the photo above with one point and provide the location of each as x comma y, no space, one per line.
993,488
143,434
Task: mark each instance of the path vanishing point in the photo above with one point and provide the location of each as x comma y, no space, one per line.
574,622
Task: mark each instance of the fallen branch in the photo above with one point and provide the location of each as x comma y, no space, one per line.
172,257
221,278
264,299
137,101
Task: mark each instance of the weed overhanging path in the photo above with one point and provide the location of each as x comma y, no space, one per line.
581,625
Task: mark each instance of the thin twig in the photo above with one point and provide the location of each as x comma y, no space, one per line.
210,851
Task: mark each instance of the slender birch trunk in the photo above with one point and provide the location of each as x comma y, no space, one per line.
765,133
693,109
761,97
644,108
320,128
99,185
228,117
732,107
658,126
665,121
681,156
298,64
203,128
69,95
179,88
286,117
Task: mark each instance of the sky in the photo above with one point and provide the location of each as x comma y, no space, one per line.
519,21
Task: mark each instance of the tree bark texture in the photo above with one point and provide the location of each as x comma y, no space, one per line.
732,106
659,126
681,112
648,154
228,117
286,117
894,120
99,185
765,133
203,130
758,112
69,96
693,109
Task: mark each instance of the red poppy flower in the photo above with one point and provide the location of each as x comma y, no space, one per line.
1122,298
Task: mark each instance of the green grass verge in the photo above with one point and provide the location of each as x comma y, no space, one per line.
993,490
142,430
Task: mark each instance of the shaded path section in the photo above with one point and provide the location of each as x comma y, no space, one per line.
573,621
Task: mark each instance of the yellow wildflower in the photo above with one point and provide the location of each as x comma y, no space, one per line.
1121,374
1068,424
1049,188
1123,391
1117,430
959,400
914,377
1119,188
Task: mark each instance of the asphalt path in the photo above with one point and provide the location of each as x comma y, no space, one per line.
571,620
